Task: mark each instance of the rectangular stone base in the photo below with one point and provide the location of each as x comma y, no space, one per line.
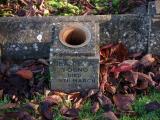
74,74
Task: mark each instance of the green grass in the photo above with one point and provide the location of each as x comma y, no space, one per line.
139,104
86,114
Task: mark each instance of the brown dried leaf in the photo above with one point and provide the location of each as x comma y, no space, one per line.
132,63
21,115
73,96
61,94
72,113
122,68
25,74
147,60
110,88
147,78
54,99
152,106
132,77
142,84
1,94
91,93
95,107
119,51
46,110
104,76
8,106
78,104
105,102
127,113
123,102
43,61
104,99
109,116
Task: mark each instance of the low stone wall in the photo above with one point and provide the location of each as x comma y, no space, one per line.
72,43
24,38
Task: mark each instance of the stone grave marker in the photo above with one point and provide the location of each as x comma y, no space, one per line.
74,56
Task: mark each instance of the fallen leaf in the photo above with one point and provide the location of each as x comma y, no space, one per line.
95,107
132,63
123,102
8,106
104,77
30,107
25,74
142,84
54,99
43,61
110,88
73,96
119,51
126,113
132,77
147,60
20,115
152,106
109,116
146,77
72,113
105,102
122,68
78,104
46,110
1,94
91,93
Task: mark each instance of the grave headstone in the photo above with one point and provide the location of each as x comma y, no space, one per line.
74,56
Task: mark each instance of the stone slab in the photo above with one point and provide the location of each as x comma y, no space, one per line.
19,52
151,9
132,30
157,5
74,74
28,31
154,42
31,30
25,39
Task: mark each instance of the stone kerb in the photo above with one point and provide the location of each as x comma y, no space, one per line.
72,43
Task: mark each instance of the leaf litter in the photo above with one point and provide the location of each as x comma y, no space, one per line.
123,76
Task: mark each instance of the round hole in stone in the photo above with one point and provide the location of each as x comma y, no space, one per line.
74,36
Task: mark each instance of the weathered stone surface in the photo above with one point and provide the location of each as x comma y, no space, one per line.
24,51
75,67
25,39
140,10
154,42
90,49
74,74
24,32
157,4
132,30
151,8
28,31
